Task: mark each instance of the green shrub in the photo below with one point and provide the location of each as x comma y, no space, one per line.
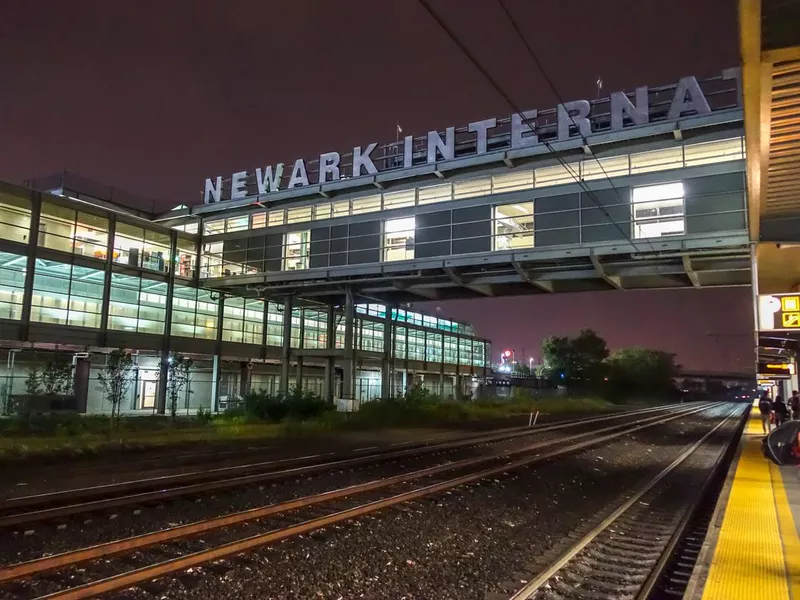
204,417
297,404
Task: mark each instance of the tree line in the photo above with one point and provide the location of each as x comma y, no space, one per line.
584,362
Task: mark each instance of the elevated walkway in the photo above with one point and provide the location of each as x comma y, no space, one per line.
752,550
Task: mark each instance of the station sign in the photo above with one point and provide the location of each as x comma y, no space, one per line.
775,370
573,120
779,312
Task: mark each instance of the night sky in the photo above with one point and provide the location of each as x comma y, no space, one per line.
152,97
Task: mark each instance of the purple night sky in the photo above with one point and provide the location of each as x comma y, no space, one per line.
152,97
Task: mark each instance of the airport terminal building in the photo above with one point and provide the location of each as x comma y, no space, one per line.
301,274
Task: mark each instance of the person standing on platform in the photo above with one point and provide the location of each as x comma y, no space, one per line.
794,404
765,408
779,410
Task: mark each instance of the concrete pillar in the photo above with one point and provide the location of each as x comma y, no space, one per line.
245,377
328,391
441,371
386,362
458,368
283,386
81,383
348,375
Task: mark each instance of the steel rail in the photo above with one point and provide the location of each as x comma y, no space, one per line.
388,453
543,577
164,493
182,531
154,571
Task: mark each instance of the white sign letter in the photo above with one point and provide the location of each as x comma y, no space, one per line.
521,133
639,114
328,163
212,191
480,128
576,111
267,181
447,148
363,160
696,100
408,152
239,185
299,174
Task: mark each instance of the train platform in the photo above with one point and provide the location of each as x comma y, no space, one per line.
752,550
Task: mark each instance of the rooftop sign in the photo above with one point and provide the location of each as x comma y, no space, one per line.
571,120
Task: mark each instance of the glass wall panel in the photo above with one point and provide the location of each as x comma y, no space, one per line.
513,226
478,353
243,320
68,230
295,250
557,175
433,346
658,210
520,180
464,351
12,284
657,160
194,313
15,217
398,239
138,247
137,304
416,345
315,328
399,199
298,215
365,205
450,349
66,294
274,324
370,336
295,333
400,343
186,258
435,193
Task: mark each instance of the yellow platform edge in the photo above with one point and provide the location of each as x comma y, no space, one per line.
755,550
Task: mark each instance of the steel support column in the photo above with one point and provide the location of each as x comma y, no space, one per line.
161,397
328,391
30,267
386,362
348,376
287,345
112,228
81,383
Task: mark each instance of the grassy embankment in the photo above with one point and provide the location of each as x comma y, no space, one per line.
93,434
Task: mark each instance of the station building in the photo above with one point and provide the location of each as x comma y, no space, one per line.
303,276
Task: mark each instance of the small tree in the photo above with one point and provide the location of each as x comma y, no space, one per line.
57,377
574,361
641,371
116,379
33,383
177,378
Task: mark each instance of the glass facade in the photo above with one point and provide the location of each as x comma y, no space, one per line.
15,216
73,231
194,313
139,247
12,285
66,294
243,320
137,305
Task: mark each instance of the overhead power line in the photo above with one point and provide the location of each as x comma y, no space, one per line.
499,89
558,96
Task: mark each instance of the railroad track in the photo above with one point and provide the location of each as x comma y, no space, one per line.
25,510
123,563
641,549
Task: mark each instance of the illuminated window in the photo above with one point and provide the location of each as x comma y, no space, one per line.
435,193
521,180
657,160
658,210
557,175
237,223
472,188
15,217
137,305
298,215
368,204
400,199
341,208
71,231
259,220
66,294
12,284
613,166
323,211
513,226
137,247
713,152
295,250
398,239
213,227
275,218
